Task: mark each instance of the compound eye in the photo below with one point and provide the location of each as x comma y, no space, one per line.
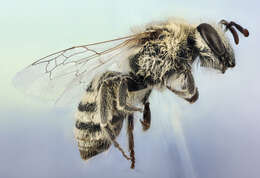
211,37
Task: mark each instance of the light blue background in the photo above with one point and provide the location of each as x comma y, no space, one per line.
217,137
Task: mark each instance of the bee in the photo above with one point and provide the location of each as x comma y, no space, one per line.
160,56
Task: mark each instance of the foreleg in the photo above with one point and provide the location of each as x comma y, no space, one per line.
191,98
186,85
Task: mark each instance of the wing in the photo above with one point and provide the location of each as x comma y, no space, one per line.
67,72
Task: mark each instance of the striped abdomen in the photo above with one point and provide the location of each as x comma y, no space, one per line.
92,139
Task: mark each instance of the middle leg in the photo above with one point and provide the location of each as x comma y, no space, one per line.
122,98
146,122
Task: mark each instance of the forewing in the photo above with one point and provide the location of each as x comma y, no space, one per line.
63,76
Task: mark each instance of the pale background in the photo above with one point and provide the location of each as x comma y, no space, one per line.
217,137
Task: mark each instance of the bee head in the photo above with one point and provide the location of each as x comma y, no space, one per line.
214,48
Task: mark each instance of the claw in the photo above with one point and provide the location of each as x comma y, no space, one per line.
194,98
145,125
146,122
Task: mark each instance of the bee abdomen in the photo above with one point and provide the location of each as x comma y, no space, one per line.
86,154
93,148
91,139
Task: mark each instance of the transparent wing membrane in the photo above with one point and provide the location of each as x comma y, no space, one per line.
64,75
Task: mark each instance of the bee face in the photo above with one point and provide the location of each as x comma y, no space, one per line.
214,48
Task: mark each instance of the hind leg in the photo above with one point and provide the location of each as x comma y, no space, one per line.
105,104
116,144
106,114
130,128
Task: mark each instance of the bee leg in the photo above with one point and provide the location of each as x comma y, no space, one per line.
116,144
122,95
146,122
130,128
190,97
190,92
104,104
194,97
104,114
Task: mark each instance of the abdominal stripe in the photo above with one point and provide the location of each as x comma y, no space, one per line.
88,107
91,127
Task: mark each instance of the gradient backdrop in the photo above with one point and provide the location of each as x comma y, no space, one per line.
217,137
